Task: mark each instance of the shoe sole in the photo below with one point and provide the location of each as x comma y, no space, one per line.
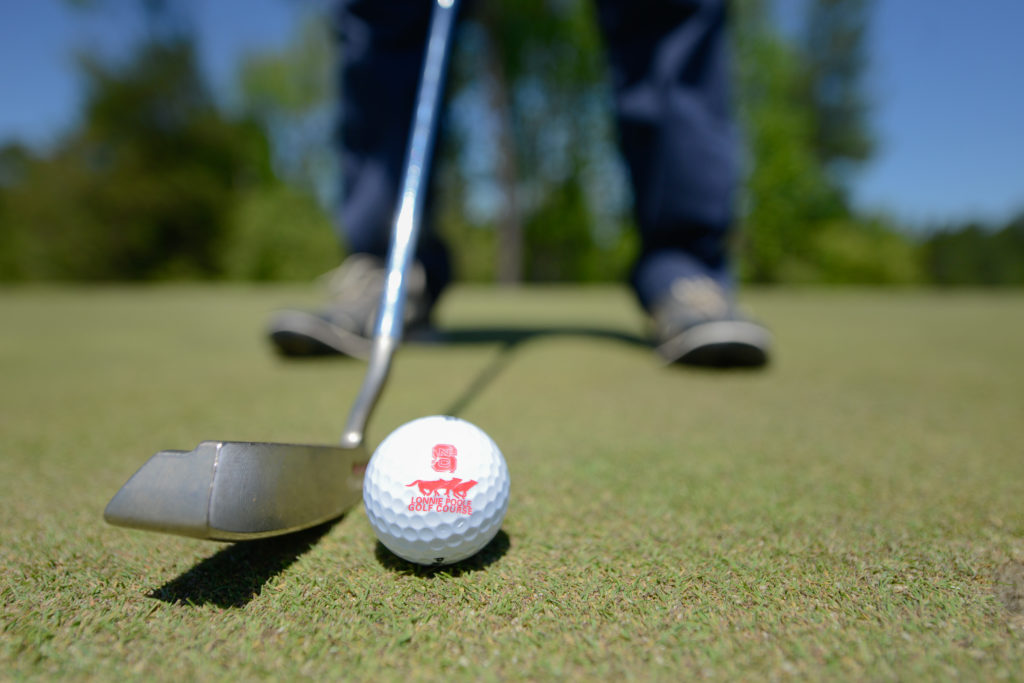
720,344
296,333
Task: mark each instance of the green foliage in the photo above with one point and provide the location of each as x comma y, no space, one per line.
804,115
974,254
293,80
556,240
278,233
863,252
834,59
787,197
143,188
290,93
560,245
473,248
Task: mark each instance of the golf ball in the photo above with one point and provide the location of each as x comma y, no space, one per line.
436,490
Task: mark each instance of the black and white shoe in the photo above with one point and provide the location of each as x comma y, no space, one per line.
345,326
696,323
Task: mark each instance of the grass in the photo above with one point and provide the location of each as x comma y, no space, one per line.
855,511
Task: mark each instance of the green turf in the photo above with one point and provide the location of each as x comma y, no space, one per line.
856,511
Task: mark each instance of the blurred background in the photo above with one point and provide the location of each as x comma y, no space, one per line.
147,140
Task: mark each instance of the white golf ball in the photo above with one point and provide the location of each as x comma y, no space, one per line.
436,490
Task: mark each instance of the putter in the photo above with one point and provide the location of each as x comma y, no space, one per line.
239,490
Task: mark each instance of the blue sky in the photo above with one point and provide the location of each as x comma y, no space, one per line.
946,82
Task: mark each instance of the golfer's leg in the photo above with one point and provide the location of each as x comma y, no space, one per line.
381,46
670,71
669,62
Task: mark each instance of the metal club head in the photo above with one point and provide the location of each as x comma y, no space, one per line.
234,490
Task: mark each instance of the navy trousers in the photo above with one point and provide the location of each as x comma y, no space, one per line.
669,66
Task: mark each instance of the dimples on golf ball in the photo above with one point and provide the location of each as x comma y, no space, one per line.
436,490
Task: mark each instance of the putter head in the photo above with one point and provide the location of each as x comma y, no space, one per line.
235,490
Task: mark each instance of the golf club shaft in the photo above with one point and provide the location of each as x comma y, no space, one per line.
408,218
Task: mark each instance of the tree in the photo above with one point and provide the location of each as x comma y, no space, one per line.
143,188
834,56
787,196
290,93
535,140
975,254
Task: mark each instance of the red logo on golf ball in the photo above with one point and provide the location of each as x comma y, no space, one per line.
455,492
444,458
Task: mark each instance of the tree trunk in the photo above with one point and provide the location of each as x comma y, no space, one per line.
509,259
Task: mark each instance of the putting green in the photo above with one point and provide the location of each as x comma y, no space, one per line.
853,511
